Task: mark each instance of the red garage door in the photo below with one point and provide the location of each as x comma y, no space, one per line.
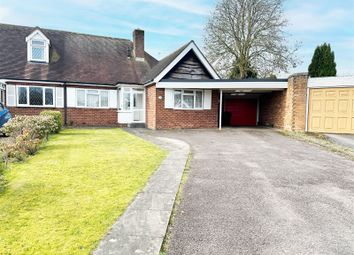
243,112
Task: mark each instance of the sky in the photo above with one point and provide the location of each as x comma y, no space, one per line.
169,24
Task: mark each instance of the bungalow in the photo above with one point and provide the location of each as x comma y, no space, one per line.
104,81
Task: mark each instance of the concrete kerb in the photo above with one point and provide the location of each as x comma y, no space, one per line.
142,227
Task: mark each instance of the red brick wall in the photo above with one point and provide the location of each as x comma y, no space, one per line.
170,118
151,107
31,110
92,117
76,116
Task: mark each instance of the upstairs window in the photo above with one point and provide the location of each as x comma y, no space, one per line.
37,47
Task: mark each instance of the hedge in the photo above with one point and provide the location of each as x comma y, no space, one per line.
26,134
57,117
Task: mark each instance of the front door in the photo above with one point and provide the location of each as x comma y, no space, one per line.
138,105
131,105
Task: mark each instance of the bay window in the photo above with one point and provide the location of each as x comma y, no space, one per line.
188,99
35,96
92,98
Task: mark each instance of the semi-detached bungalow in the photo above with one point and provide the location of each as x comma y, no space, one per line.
104,81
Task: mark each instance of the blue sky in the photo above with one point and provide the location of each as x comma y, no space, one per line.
171,23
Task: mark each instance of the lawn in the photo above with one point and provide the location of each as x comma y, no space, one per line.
65,198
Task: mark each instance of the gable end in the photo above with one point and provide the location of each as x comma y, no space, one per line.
189,67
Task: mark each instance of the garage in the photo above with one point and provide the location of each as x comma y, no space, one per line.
330,106
240,112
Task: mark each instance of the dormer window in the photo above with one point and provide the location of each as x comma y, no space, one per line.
37,47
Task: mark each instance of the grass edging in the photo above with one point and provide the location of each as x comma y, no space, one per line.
322,141
171,222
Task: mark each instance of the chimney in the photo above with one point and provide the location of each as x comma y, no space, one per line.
138,44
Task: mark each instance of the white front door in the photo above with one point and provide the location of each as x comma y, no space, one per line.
131,105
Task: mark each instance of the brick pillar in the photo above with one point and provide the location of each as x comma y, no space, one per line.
151,98
295,109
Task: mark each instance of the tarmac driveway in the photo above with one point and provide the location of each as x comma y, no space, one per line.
254,191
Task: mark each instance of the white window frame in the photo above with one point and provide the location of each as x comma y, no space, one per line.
37,35
38,46
182,91
28,96
99,93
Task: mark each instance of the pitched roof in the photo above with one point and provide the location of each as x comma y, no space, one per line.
74,57
166,64
163,63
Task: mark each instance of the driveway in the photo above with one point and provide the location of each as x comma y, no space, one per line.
254,191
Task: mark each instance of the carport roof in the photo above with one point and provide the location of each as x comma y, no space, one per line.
225,84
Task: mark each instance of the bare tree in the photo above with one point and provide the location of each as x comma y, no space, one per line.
249,35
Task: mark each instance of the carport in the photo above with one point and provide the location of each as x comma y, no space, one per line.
239,100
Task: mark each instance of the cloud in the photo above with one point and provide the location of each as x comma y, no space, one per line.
4,13
308,17
190,6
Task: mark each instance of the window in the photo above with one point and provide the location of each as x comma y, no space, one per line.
37,47
188,99
35,96
104,98
92,98
126,99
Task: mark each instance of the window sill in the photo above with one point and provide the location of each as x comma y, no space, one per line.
36,106
95,108
186,109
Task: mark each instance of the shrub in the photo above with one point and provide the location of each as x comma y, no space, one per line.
57,117
37,127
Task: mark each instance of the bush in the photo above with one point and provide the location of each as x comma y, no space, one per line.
26,134
36,127
57,117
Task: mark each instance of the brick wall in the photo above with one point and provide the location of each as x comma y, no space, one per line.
92,117
31,110
286,109
150,116
76,116
299,84
272,109
170,118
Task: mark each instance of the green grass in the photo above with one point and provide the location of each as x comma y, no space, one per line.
65,198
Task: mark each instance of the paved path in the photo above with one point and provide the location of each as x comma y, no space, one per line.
345,140
141,229
258,192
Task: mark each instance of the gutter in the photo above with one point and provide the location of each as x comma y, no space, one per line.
58,82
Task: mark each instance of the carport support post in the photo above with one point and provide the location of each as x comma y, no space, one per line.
220,109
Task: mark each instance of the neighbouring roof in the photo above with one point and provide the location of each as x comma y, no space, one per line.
74,57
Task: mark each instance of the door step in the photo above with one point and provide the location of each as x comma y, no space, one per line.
136,125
